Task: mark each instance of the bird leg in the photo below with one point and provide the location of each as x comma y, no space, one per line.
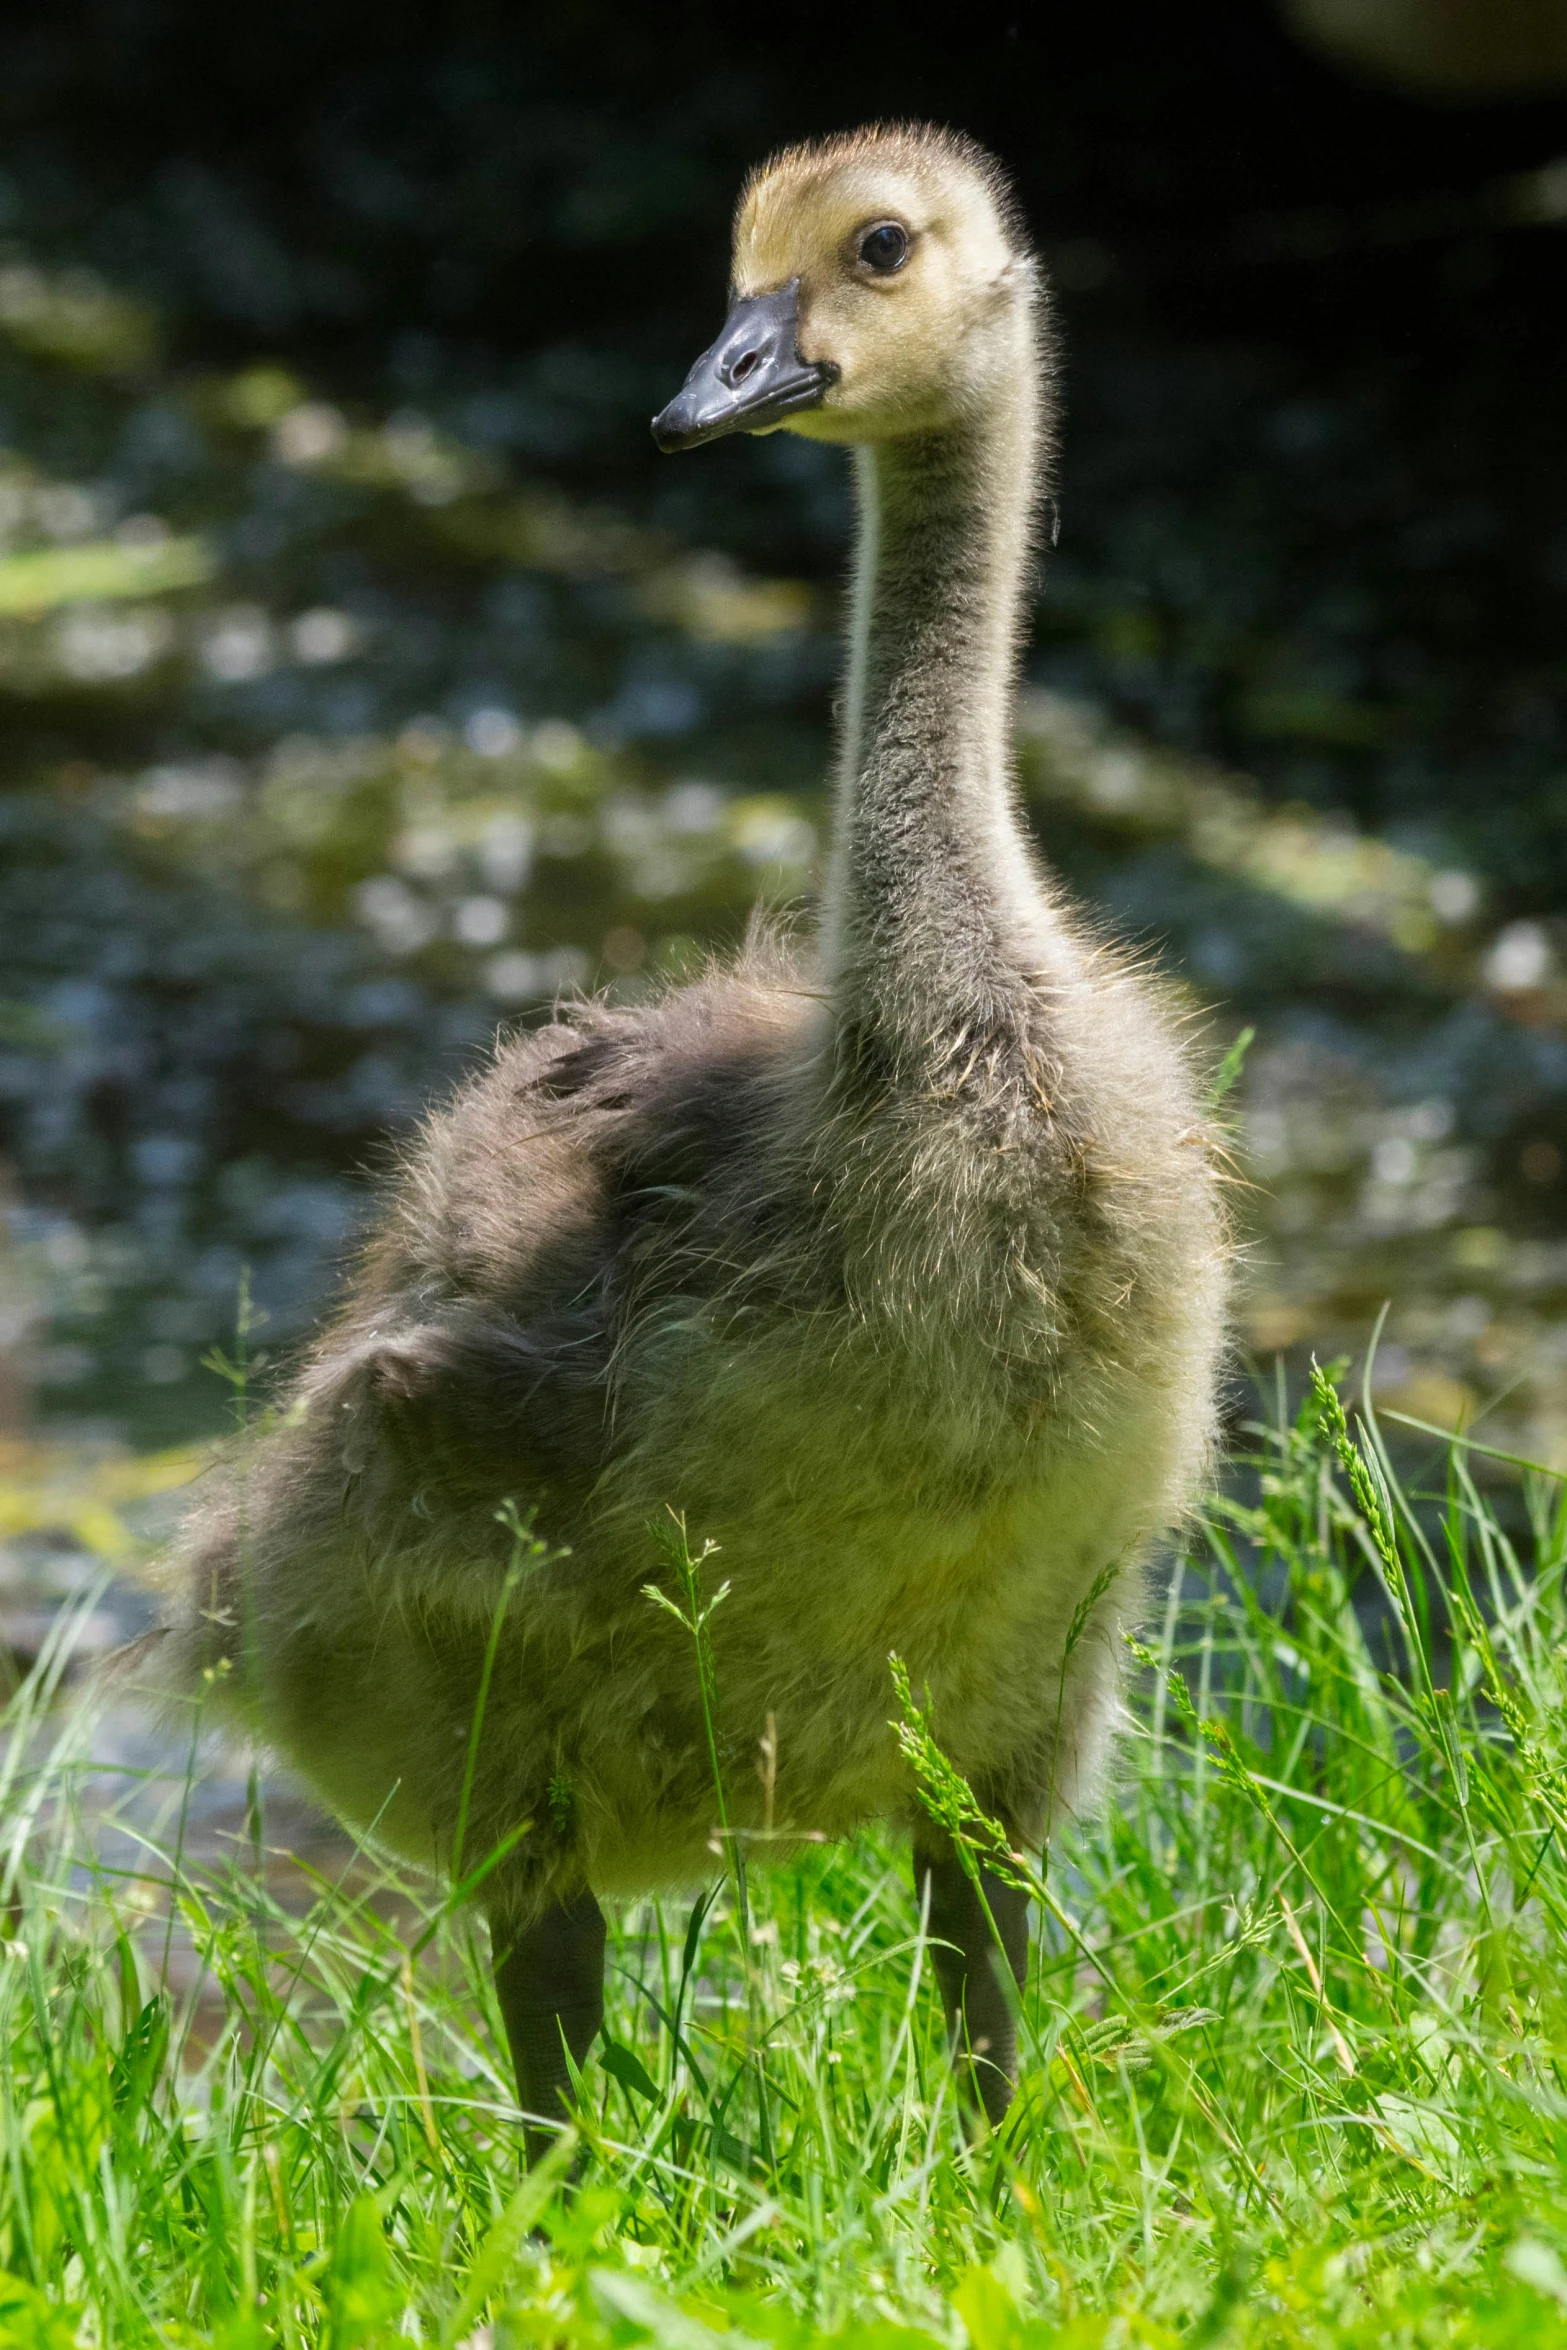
981,2005
550,1980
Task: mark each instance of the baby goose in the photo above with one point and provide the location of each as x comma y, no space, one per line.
896,1266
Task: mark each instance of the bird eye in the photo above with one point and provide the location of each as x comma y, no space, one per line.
885,247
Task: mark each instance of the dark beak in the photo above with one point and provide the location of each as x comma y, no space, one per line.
752,377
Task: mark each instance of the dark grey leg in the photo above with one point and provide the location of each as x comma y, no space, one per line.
550,1979
968,1967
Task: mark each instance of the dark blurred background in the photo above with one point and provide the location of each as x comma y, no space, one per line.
365,677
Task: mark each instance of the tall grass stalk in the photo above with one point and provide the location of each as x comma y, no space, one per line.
1295,2038
694,1613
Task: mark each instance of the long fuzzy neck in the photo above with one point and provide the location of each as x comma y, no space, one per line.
933,911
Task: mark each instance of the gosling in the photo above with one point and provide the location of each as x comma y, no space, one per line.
894,1264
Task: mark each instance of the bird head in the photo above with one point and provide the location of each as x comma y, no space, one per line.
878,287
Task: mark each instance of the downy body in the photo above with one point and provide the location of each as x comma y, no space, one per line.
891,1258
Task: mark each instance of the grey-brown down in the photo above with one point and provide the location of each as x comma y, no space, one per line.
889,1253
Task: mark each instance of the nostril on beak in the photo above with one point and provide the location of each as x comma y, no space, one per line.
750,379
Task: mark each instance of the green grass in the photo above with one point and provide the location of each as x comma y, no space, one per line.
1296,2035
